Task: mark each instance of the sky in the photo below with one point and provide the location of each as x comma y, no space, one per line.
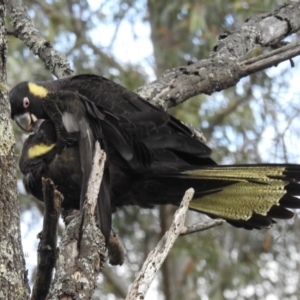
131,44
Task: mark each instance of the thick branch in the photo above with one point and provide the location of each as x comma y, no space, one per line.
47,247
226,65
54,61
157,256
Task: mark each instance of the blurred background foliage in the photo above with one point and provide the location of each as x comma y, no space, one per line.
132,42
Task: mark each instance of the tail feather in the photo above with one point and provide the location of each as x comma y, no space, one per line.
280,212
255,222
292,171
247,196
290,201
293,188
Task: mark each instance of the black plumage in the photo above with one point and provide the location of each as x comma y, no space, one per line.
40,157
86,108
152,157
248,196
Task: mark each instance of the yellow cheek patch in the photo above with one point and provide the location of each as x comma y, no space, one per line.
39,150
37,90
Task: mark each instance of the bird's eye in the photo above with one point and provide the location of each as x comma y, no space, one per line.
26,102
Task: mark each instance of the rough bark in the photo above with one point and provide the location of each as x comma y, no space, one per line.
54,61
47,250
227,63
13,276
82,247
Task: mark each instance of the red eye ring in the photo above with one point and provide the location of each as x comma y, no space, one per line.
26,102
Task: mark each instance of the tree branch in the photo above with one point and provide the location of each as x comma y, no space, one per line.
157,256
48,239
227,63
268,60
54,61
201,226
81,255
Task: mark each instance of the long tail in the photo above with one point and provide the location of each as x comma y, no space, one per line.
247,196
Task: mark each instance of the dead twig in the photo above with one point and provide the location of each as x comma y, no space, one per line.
201,226
157,256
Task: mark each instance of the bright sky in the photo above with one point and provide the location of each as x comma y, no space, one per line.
131,44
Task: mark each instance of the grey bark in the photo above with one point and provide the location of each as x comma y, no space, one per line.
201,226
47,248
157,256
82,248
227,63
13,276
54,61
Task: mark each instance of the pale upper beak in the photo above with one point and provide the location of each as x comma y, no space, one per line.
26,121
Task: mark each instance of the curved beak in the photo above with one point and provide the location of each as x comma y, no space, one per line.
26,121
